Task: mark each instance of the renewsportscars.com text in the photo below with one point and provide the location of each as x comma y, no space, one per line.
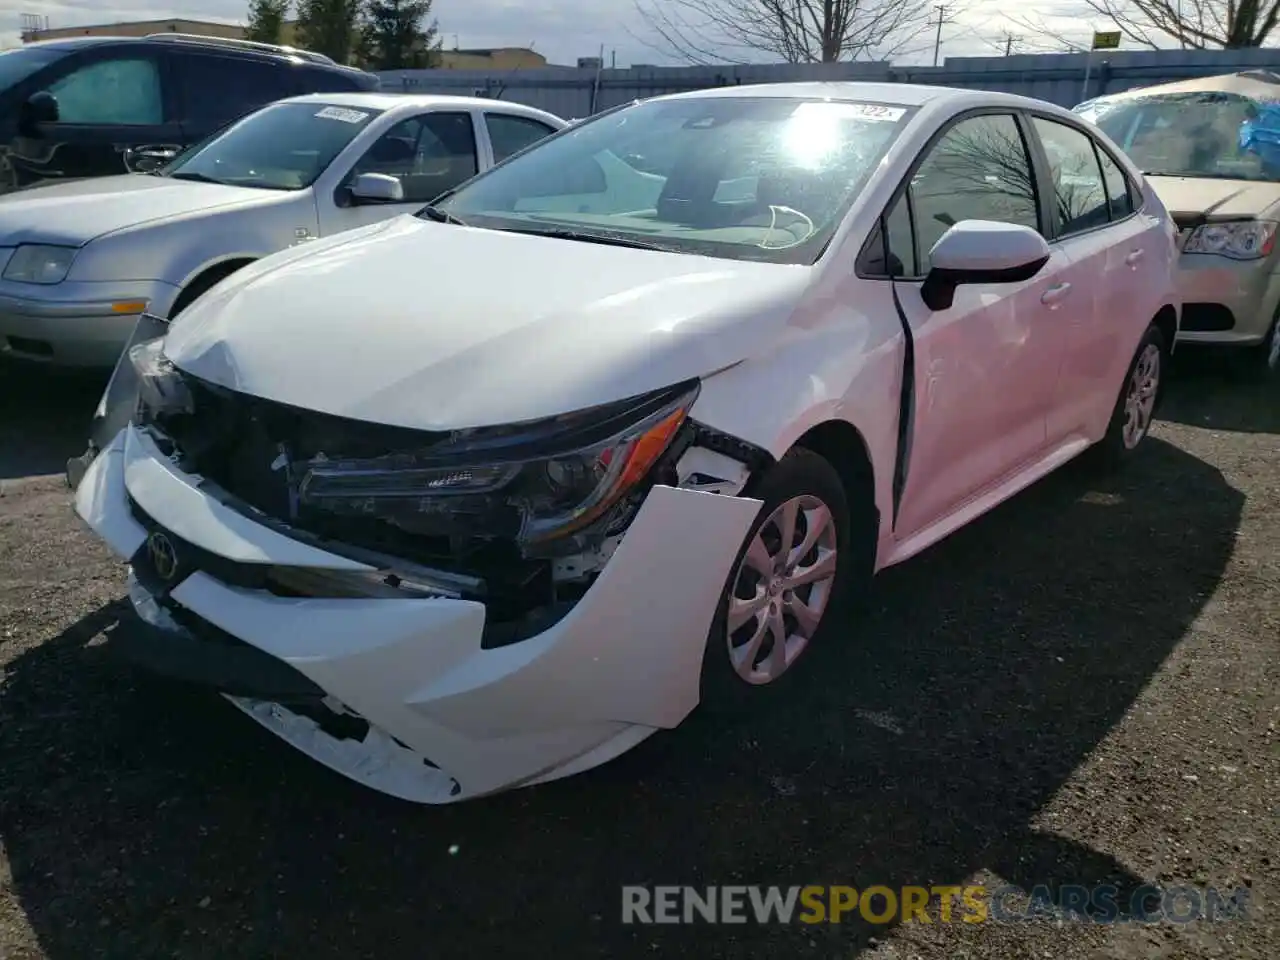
935,904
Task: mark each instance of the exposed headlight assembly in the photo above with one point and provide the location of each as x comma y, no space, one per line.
541,483
38,263
1239,240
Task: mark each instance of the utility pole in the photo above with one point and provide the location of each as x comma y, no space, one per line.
937,40
1009,38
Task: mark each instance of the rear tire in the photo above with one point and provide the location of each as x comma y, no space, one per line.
1140,396
780,605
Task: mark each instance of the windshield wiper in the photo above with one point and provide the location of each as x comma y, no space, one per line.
434,213
195,178
608,240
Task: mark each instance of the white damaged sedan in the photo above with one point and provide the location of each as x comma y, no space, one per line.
484,496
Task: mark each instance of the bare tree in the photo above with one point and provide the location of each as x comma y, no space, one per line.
1194,24
796,31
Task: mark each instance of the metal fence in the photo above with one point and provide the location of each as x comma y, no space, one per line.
1065,79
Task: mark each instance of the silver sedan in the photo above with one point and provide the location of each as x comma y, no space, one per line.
81,260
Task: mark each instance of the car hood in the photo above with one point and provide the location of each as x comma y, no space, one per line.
77,211
434,326
1189,197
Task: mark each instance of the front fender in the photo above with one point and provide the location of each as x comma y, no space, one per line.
849,371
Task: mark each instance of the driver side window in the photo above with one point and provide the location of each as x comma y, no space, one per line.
428,154
979,170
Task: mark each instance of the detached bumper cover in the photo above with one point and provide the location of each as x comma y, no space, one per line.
448,720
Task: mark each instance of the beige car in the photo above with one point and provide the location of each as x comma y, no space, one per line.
1198,143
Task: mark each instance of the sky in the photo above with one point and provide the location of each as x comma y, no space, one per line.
562,30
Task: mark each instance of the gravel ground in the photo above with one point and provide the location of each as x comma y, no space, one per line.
1082,687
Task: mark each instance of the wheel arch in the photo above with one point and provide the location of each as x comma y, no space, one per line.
1166,321
206,277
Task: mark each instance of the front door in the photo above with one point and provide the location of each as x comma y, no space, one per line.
428,153
110,105
986,368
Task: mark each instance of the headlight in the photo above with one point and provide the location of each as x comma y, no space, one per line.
540,483
1239,240
35,263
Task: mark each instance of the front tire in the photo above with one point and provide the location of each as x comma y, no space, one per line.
1140,394
1262,362
787,588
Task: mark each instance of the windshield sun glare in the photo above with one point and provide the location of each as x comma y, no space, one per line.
747,178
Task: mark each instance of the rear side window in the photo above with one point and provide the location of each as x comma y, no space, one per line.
1079,193
1119,196
216,89
511,134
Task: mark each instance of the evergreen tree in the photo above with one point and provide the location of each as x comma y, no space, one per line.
395,35
266,20
329,27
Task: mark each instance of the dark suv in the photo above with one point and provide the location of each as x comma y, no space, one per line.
96,106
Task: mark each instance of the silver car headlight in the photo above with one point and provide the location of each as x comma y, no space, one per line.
1239,240
39,263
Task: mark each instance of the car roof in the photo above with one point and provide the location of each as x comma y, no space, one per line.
415,101
212,43
899,94
1258,84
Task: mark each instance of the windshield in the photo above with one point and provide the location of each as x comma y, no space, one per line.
284,146
742,178
1184,134
16,65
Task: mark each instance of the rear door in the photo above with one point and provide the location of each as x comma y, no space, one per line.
112,99
1113,251
216,88
429,153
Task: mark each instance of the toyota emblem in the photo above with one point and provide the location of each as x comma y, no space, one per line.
164,557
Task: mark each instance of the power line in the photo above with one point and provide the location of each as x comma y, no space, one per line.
937,39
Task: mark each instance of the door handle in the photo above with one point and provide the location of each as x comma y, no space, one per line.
1055,293
1135,256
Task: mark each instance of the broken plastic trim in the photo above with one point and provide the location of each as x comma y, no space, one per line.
119,402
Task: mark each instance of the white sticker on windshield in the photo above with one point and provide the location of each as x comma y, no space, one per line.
851,111
342,113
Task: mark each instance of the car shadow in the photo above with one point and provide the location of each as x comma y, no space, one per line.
142,820
1215,393
44,417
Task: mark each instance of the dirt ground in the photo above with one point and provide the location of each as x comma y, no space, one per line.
1080,688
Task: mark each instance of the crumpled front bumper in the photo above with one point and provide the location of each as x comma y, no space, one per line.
447,720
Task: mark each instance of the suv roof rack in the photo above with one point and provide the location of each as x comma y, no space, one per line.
244,45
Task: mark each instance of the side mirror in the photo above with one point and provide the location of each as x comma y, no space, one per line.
41,107
981,251
377,188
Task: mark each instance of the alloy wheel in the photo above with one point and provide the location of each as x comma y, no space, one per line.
781,588
1140,400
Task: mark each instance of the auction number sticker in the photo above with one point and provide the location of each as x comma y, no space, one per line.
342,113
850,111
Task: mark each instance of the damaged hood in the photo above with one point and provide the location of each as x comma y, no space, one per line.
75,212
1188,197
435,326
